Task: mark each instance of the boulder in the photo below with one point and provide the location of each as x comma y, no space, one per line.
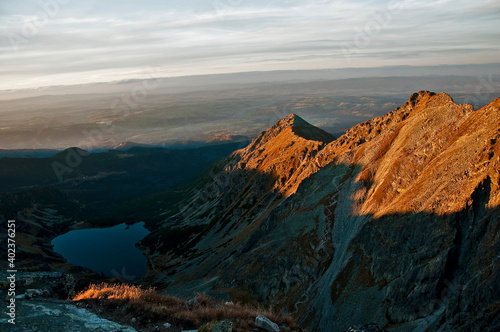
266,324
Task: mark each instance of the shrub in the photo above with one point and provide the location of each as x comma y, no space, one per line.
140,306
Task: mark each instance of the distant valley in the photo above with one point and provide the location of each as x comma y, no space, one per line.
235,108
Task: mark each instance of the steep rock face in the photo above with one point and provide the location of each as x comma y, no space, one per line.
395,223
280,152
233,199
38,221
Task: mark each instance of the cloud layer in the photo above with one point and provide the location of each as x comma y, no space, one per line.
67,41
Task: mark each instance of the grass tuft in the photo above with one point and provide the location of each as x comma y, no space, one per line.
138,307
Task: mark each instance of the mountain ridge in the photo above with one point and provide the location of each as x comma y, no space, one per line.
394,223
315,227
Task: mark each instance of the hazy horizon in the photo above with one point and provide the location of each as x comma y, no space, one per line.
486,76
196,112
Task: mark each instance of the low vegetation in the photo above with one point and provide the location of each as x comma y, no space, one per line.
147,310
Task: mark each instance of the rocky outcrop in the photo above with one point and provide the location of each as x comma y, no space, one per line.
41,214
45,284
396,222
266,324
58,316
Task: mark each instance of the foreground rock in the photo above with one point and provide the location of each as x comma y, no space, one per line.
58,316
266,324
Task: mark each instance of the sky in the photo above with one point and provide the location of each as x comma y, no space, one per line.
64,42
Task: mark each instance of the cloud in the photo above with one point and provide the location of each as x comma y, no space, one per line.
114,38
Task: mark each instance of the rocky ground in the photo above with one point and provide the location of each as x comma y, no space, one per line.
58,316
46,301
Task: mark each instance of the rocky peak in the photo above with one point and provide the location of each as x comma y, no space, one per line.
292,120
283,151
424,109
425,101
421,183
297,126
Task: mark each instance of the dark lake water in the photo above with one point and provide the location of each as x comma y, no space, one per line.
110,250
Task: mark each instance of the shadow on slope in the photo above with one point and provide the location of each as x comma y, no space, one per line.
311,256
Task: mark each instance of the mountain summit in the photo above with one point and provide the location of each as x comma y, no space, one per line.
394,223
302,128
278,154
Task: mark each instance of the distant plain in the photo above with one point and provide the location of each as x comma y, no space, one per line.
189,112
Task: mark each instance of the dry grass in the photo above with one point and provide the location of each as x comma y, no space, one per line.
138,307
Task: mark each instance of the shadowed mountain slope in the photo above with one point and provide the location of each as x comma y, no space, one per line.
396,222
